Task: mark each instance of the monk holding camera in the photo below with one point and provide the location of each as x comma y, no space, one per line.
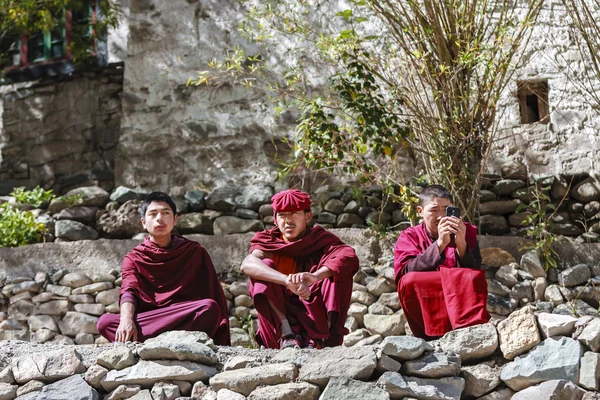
437,267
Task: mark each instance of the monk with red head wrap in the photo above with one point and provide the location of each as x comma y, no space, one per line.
437,266
300,278
169,284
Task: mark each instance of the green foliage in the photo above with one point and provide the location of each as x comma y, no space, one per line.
248,326
28,17
36,197
539,219
72,200
410,200
18,228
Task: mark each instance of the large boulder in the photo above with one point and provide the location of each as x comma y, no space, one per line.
586,191
591,335
179,345
228,224
404,348
518,333
589,376
472,343
350,389
72,388
554,358
245,380
495,257
124,194
432,365
574,276
291,391
400,387
551,390
353,362
47,366
73,230
123,223
555,324
479,379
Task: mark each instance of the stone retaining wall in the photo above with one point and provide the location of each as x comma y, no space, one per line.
505,207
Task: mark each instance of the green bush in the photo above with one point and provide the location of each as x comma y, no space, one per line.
18,228
35,197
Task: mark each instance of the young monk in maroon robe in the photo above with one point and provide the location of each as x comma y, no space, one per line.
437,269
169,284
300,278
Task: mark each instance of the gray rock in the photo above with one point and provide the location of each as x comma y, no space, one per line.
554,295
326,218
354,363
288,391
123,223
106,297
76,322
246,380
531,263
495,257
574,276
589,375
432,365
84,215
404,348
227,225
347,220
6,376
508,275
386,363
75,280
145,395
350,389
37,322
254,196
72,388
93,288
378,286
94,375
380,309
555,325
575,308
123,194
224,198
439,389
506,187
586,191
472,343
48,366
354,337
8,391
117,357
195,199
384,325
479,379
73,230
519,219
539,288
486,195
182,206
226,394
590,336
493,224
518,333
335,206
362,297
165,391
500,305
500,207
147,373
551,390
190,348
390,300
195,222
238,362
59,290
567,229
84,338
93,309
554,358
502,394
497,288
123,392
523,291
378,218
29,387
246,213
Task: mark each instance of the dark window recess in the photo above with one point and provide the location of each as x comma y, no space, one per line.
10,51
533,101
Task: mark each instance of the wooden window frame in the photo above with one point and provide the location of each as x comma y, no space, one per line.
540,89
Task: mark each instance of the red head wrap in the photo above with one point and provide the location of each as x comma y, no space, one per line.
290,200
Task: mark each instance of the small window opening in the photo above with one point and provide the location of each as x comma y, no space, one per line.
533,101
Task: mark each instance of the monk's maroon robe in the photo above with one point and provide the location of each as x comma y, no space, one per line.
439,292
329,297
174,288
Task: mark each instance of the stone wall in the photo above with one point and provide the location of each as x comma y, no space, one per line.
543,342
61,134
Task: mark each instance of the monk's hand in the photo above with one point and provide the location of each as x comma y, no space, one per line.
126,332
461,238
446,228
307,278
294,284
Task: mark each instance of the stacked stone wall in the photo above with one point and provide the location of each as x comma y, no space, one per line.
61,133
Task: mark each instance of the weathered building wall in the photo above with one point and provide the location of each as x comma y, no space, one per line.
569,144
61,134
219,135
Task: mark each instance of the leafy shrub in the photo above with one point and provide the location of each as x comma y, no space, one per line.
18,228
72,200
35,197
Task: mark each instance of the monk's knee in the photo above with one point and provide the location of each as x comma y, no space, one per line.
105,323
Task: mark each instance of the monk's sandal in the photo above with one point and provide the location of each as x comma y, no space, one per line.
289,341
315,344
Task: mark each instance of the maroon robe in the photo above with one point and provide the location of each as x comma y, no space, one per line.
436,294
308,318
174,288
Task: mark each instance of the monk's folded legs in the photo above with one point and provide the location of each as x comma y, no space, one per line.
199,315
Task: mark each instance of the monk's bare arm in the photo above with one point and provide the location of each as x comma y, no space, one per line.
255,268
127,330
